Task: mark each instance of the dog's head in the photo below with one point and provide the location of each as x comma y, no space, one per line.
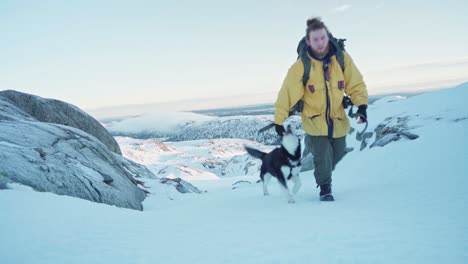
289,130
290,141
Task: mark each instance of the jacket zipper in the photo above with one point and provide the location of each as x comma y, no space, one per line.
329,120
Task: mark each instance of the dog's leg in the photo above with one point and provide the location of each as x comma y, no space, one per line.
266,180
285,170
296,179
297,184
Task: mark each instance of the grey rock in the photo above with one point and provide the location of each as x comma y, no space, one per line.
239,184
460,119
58,112
8,111
180,185
3,182
65,160
392,129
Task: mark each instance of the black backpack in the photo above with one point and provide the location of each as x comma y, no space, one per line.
302,53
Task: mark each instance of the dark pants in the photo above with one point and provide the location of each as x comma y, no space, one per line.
327,153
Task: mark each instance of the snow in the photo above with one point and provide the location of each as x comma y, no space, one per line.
405,202
163,122
178,126
193,160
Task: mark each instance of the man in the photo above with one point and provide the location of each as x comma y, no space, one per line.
323,116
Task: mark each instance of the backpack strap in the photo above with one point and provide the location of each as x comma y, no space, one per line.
340,48
307,63
302,53
340,59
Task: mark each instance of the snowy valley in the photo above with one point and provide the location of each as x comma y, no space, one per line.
402,199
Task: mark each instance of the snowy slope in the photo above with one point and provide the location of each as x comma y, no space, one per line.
193,160
182,126
405,202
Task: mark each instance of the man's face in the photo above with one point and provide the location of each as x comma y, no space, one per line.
318,40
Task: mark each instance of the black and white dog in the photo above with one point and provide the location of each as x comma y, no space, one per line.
283,163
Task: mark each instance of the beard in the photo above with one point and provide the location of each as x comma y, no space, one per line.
321,53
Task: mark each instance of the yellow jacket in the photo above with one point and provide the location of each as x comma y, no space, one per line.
314,95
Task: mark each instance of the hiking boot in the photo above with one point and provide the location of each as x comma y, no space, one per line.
326,193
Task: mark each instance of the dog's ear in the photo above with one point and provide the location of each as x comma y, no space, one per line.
293,129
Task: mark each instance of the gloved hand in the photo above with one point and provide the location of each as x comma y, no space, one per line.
279,130
346,102
362,110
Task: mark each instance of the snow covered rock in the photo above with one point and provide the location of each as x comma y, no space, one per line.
67,161
59,112
392,129
64,160
181,185
241,183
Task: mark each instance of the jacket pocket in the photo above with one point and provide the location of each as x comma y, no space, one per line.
339,114
314,120
314,116
314,98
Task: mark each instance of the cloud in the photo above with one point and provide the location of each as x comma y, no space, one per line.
422,76
341,8
446,64
380,5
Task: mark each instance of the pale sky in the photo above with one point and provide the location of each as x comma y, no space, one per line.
104,53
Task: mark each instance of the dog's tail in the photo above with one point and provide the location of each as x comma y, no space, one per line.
255,152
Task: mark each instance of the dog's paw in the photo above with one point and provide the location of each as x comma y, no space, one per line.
266,193
291,200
